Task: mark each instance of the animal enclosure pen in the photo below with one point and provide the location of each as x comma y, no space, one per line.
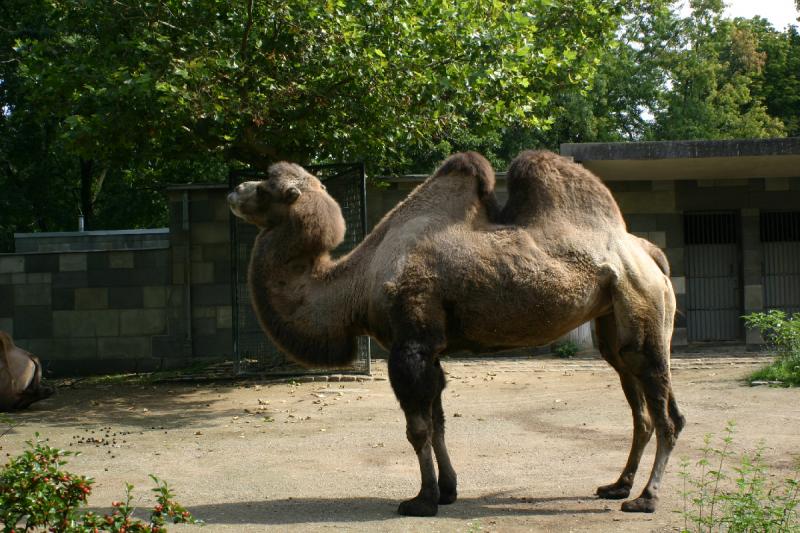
254,352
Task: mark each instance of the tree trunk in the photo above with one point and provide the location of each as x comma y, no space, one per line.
87,202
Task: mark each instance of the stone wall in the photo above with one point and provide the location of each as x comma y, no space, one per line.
139,301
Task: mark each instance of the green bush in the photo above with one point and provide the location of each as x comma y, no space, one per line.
36,492
566,349
781,332
736,498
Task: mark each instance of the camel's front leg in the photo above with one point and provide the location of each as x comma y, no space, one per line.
414,379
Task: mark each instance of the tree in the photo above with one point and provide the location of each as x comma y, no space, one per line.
779,80
124,91
712,70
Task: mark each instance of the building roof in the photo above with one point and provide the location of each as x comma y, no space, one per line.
667,160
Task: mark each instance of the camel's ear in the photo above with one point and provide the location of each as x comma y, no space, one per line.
291,195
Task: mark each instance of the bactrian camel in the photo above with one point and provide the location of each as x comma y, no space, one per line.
20,376
448,270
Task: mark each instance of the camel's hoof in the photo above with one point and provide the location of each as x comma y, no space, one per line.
418,507
614,491
640,505
447,496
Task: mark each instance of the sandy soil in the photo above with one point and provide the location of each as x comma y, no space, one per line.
530,439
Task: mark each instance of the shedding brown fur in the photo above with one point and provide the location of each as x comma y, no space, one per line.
448,270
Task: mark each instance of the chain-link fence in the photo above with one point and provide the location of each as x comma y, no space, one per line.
254,352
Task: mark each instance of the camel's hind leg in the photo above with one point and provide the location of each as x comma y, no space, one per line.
642,426
655,381
644,314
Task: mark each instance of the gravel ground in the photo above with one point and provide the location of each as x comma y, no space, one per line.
530,439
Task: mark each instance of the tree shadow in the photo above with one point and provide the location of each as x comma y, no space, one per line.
308,510
139,406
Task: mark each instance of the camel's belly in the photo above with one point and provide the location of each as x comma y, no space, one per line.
506,303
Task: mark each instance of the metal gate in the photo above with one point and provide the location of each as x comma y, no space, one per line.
253,351
780,241
713,287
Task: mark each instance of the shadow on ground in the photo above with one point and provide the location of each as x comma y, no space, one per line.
349,510
162,406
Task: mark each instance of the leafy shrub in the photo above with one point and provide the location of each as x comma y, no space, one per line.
37,492
740,498
566,349
781,332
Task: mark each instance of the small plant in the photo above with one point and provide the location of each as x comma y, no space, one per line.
740,498
782,334
35,491
566,349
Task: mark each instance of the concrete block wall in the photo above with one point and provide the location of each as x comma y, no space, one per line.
145,300
83,312
200,251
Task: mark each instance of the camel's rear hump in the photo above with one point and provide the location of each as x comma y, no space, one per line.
543,186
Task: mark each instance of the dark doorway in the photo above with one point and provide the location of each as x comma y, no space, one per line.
713,281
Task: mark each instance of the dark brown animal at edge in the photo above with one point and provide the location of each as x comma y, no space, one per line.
448,270
20,377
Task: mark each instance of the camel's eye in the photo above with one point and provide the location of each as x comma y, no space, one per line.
324,188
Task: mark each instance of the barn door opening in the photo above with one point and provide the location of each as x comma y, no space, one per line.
713,285
780,240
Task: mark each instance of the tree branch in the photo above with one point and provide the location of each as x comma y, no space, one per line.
247,29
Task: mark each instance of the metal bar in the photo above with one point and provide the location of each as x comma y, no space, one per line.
234,243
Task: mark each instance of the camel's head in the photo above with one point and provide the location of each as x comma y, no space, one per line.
294,199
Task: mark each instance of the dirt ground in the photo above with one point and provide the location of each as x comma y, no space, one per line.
530,439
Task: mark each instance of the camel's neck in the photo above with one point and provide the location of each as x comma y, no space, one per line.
307,309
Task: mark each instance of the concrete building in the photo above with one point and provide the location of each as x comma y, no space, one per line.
727,214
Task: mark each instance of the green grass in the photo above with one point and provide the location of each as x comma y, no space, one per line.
784,370
782,335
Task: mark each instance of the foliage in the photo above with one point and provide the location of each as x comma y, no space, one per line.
35,490
566,349
712,65
260,81
103,103
782,334
779,83
737,498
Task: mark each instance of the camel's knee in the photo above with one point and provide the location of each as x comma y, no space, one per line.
418,432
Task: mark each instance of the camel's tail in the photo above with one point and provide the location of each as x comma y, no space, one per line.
656,254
